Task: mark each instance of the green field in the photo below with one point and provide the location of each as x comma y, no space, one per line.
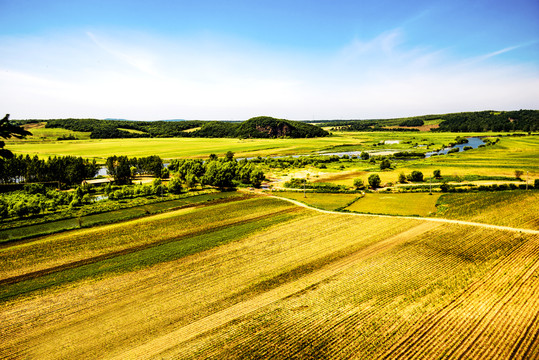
262,278
25,230
420,204
320,200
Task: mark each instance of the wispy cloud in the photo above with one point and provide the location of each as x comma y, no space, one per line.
139,60
105,75
490,55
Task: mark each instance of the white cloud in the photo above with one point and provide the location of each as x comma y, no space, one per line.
139,77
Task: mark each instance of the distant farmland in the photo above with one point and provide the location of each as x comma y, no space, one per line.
263,278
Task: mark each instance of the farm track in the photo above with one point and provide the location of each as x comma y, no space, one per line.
448,221
95,259
239,310
496,317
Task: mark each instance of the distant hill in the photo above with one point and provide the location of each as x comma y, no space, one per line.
259,127
474,121
268,127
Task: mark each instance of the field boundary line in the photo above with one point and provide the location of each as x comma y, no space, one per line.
447,221
111,255
28,239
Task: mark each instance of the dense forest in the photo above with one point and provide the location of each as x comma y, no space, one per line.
64,169
524,120
477,121
259,127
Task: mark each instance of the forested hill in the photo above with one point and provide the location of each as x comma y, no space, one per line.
525,120
477,121
259,127
268,127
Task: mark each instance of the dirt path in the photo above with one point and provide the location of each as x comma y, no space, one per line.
161,344
447,221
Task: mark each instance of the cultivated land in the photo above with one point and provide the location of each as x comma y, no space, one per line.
244,275
420,204
268,279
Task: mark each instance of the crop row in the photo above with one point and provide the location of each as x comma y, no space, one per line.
57,250
492,319
88,319
367,307
506,208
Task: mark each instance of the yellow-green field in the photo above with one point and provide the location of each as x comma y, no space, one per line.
320,200
421,204
506,208
262,278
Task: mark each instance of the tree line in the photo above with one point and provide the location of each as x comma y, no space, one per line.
258,127
222,172
63,169
522,120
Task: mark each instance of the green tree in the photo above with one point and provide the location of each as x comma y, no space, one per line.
364,155
220,174
374,181
518,174
358,184
191,180
257,176
416,176
385,164
175,186
402,178
4,209
7,131
119,168
437,174
229,156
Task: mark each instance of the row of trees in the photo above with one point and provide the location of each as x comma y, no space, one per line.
219,172
258,127
64,169
123,169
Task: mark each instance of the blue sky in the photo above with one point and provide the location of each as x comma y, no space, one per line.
291,59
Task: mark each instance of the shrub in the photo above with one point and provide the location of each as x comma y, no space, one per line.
358,184
385,164
374,181
416,176
402,178
437,174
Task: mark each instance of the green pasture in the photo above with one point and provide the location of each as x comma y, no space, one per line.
169,148
40,133
320,200
420,204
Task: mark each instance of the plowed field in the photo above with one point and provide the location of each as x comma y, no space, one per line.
262,278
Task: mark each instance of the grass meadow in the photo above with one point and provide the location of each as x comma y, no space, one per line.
420,204
262,278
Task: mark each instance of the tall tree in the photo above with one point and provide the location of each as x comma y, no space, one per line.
7,131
